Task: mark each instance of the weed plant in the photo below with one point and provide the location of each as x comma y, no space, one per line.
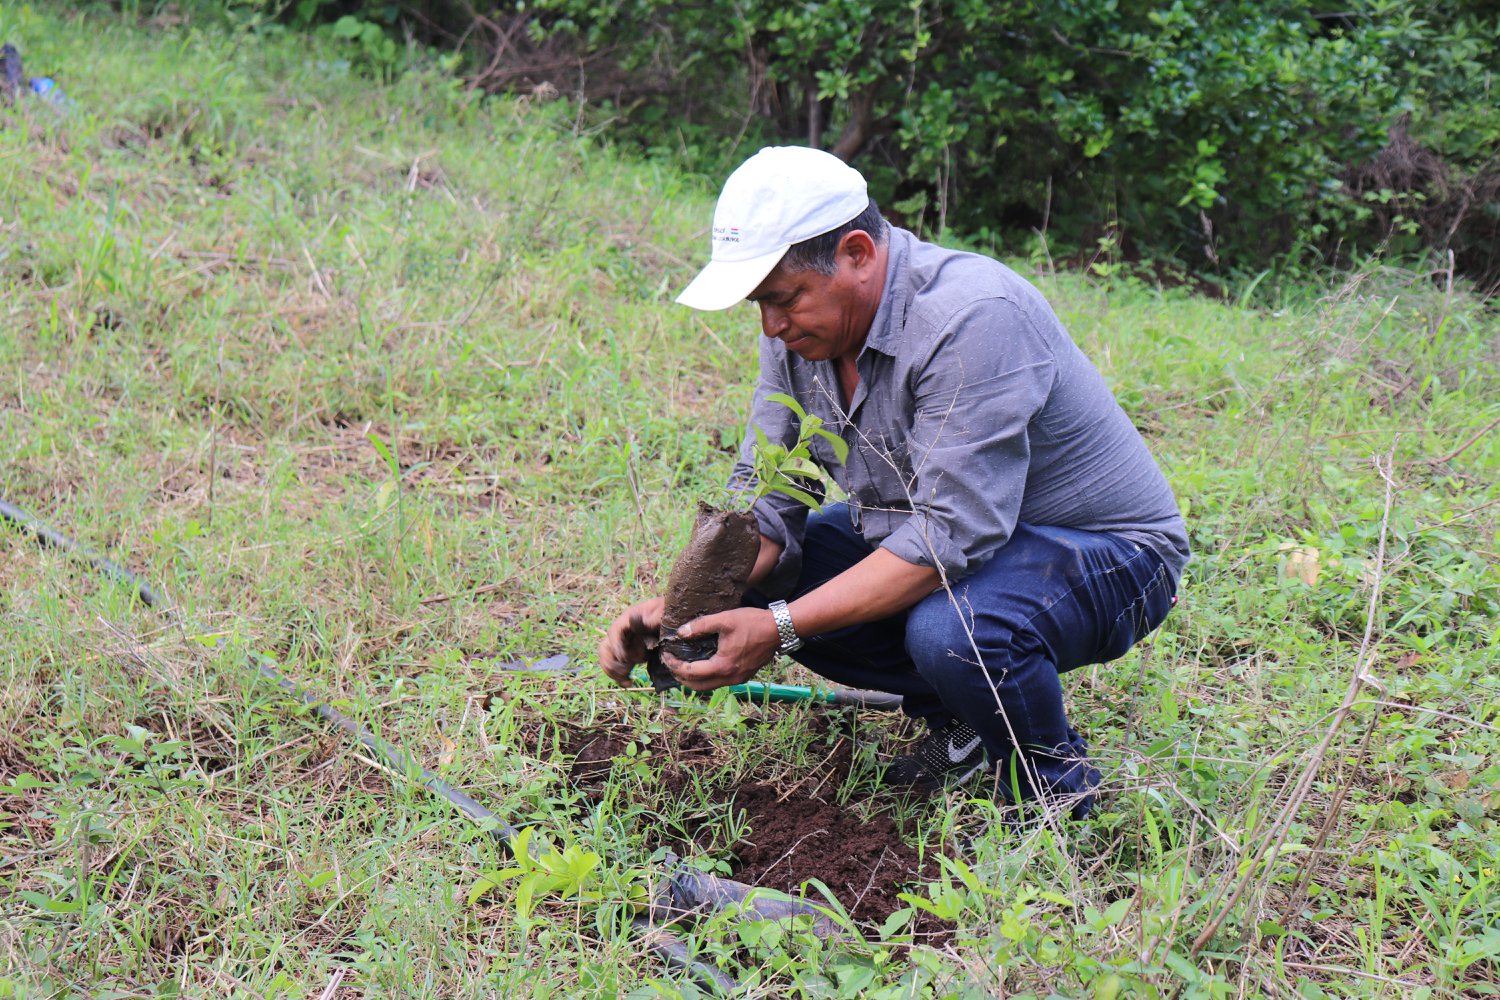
385,381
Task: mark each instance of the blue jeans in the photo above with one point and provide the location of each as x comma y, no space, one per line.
991,655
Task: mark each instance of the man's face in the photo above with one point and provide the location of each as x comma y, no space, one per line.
819,317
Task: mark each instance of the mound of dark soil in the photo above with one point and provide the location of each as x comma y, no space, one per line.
797,837
797,832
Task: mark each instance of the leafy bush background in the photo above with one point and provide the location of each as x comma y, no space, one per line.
1226,137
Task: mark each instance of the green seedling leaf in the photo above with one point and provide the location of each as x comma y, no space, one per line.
790,404
800,467
1486,946
791,471
49,904
317,881
490,880
384,495
209,640
749,932
385,452
896,922
799,495
1115,913
24,782
855,977
840,446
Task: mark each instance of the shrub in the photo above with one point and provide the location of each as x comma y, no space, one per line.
1224,135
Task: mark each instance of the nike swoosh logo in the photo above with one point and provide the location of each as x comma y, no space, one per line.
956,754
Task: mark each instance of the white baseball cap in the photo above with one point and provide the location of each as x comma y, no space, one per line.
780,196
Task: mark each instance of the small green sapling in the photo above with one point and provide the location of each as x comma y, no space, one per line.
713,571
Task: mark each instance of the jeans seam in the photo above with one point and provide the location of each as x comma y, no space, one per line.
1158,579
1083,582
1088,578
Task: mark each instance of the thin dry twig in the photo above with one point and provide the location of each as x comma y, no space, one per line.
332,989
1444,459
1289,809
485,588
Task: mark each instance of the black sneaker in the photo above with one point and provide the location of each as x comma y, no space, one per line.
948,755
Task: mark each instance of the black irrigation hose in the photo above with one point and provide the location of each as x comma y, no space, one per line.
398,759
266,667
51,539
685,892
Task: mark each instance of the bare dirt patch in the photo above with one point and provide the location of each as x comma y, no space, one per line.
24,816
797,837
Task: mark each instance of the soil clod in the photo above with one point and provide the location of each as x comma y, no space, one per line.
709,576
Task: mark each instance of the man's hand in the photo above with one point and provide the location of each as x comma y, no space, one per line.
624,645
747,641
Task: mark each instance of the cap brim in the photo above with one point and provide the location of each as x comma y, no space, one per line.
724,282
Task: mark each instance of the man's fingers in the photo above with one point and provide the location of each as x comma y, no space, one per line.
618,652
701,675
702,625
617,667
645,618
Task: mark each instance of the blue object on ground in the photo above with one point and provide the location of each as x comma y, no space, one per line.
551,665
47,89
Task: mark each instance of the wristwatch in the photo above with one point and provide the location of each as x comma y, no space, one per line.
789,639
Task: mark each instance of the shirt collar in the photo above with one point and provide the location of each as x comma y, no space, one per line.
890,316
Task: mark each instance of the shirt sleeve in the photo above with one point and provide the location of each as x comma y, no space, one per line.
780,518
989,373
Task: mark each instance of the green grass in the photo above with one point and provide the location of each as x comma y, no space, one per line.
234,278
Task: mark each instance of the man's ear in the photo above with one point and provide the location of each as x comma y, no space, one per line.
858,248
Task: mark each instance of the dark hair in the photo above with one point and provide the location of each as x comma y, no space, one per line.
820,253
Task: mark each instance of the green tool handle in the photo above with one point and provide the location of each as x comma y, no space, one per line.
758,691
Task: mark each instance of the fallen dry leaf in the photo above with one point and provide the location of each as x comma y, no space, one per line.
1301,562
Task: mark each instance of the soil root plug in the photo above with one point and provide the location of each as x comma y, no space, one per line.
708,577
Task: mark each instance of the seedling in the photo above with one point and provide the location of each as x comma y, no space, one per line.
779,469
713,571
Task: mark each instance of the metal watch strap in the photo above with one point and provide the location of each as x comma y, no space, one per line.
789,639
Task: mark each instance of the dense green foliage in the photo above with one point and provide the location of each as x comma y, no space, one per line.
1218,133
1224,137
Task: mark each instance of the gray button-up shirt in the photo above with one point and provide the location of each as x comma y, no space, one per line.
974,410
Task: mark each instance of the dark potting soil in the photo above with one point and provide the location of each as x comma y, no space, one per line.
709,576
797,837
593,750
796,833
